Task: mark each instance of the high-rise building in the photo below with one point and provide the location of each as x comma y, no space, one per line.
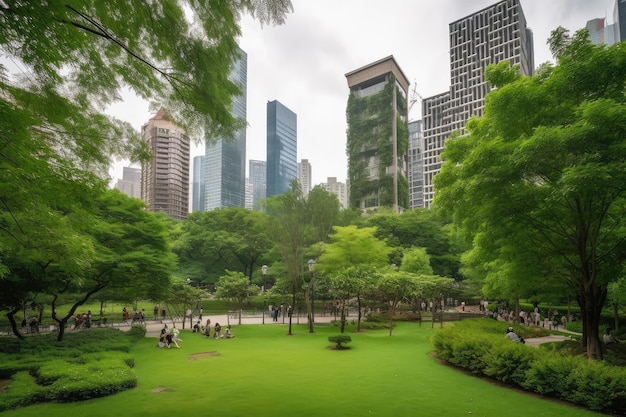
416,164
257,171
619,17
600,32
338,188
377,136
165,179
494,34
304,176
130,184
249,204
198,189
225,161
282,146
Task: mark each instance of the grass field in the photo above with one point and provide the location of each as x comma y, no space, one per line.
262,372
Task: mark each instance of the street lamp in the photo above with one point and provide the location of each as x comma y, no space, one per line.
311,284
264,271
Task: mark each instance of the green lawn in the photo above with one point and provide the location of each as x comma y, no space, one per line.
263,372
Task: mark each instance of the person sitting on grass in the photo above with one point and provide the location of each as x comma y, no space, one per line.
196,327
217,330
227,333
514,337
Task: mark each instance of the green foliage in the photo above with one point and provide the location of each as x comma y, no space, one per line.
87,364
339,340
473,345
536,222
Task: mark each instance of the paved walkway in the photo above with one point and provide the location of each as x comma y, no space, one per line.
153,328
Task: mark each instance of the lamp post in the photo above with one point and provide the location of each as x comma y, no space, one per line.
264,271
311,291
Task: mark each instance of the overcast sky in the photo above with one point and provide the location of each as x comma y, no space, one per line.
303,63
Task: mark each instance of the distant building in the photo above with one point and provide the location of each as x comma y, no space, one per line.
282,146
377,136
619,17
494,34
198,189
416,165
130,183
258,174
305,172
165,179
249,197
338,188
601,32
225,161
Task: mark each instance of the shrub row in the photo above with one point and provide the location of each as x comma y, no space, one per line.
579,380
42,370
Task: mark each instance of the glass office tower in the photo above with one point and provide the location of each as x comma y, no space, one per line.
282,164
225,162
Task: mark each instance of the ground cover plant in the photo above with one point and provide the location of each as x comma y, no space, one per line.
262,372
89,364
473,345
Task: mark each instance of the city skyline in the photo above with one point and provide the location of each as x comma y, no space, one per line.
303,62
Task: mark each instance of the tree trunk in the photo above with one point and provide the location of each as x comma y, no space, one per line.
343,316
16,330
391,311
593,298
358,322
616,315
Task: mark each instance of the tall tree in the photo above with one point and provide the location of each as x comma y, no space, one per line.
288,228
544,170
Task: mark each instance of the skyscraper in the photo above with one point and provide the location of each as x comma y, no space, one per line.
619,16
282,145
130,184
198,185
165,179
416,165
377,135
225,161
338,188
494,34
258,173
305,171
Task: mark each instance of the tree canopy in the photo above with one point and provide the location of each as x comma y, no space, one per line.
543,174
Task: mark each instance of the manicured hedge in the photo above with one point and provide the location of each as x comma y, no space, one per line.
89,364
475,346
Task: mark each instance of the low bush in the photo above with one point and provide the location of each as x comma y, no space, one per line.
86,364
473,345
339,340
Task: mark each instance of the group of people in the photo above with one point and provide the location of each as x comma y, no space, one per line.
169,337
81,320
217,330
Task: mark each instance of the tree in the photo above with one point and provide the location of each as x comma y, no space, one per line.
349,263
544,171
235,286
394,287
349,282
423,228
288,229
80,56
208,243
131,254
177,54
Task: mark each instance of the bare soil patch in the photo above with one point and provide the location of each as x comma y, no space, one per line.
196,356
